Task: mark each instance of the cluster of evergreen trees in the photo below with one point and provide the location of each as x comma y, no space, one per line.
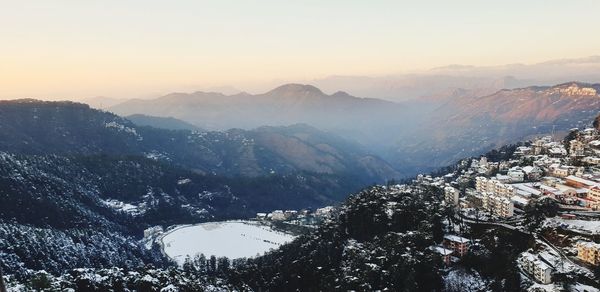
379,240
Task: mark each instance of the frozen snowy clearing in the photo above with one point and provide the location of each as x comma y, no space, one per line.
232,239
584,226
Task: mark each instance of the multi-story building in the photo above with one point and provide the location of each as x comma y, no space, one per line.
459,245
483,161
451,196
498,205
516,175
481,184
494,187
576,148
561,171
589,252
533,172
540,145
594,196
445,253
536,268
504,190
496,196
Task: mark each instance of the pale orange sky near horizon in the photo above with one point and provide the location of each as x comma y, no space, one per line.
132,48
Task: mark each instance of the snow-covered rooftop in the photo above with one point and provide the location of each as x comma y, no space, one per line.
455,238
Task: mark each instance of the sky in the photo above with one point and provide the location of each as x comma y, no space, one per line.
64,49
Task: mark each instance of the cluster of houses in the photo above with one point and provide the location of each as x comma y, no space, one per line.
567,172
302,217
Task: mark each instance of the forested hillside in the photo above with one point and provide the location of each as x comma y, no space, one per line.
78,186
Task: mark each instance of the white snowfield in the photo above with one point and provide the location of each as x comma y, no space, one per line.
232,239
585,226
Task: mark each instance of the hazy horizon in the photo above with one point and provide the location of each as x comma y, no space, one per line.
585,69
132,49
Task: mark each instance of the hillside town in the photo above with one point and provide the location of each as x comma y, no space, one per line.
546,188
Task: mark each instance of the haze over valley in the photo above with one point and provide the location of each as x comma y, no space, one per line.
413,135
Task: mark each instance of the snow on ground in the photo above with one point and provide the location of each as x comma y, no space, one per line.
462,280
232,239
584,226
560,264
184,181
123,207
123,128
537,287
155,155
583,288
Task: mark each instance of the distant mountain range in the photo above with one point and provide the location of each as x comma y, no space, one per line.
376,124
483,79
286,105
415,135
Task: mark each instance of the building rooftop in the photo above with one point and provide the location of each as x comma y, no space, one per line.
519,200
441,250
582,180
589,244
527,188
455,238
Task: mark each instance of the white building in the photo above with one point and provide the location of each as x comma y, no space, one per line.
533,172
277,215
493,186
536,268
516,174
481,184
498,205
451,196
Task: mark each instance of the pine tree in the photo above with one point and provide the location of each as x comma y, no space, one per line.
212,264
2,287
188,265
223,264
200,263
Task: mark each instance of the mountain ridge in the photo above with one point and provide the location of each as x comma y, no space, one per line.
509,115
33,127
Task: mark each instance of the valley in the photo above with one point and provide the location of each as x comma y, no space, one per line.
413,136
